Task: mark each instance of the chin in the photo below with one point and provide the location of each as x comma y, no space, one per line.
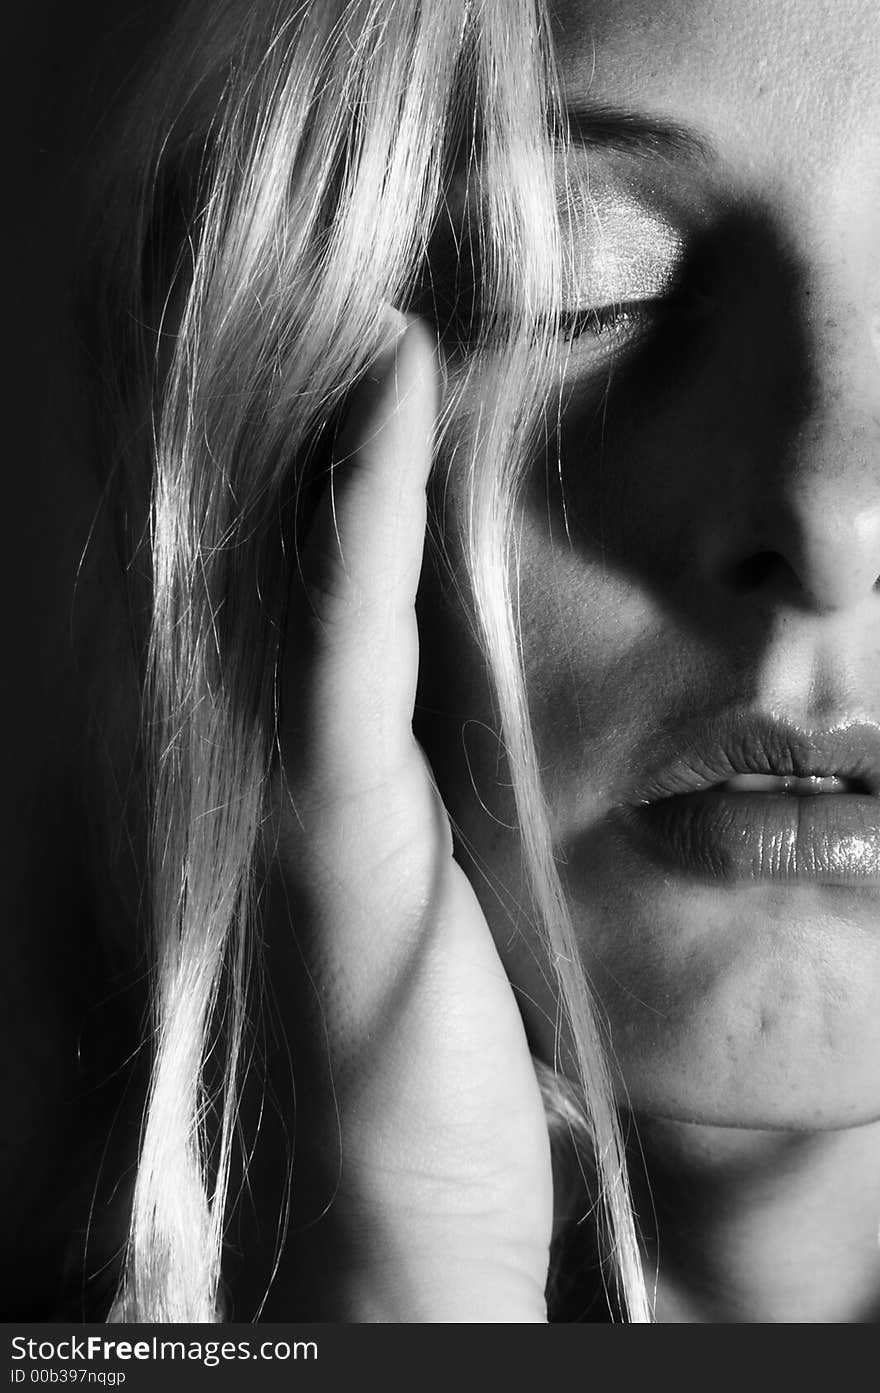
754,1006
766,1046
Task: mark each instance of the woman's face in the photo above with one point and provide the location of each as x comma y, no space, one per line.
699,609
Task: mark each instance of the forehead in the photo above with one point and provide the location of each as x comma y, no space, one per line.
782,78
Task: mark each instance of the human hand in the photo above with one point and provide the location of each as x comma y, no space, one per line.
426,1124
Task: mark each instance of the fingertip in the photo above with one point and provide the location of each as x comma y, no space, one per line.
399,395
418,363
404,333
394,324
383,362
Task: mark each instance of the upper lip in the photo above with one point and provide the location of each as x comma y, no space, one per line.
711,752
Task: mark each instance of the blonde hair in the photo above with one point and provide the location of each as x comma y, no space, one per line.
291,175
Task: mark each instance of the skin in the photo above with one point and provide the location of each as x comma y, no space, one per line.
755,1009
425,1191
746,1021
747,428
745,1018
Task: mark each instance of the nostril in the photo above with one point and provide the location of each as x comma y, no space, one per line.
757,570
771,578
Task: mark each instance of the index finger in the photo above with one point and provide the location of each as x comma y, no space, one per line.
357,665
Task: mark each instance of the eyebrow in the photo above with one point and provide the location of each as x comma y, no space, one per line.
631,132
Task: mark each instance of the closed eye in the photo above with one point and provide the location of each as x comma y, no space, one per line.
622,320
599,330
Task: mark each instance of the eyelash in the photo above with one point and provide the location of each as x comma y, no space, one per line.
624,319
594,329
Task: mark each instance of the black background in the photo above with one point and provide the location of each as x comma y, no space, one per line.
64,67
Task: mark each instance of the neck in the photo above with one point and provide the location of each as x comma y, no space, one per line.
760,1226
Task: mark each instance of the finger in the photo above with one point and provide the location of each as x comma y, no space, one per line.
360,566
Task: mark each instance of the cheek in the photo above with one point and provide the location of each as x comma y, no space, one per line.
632,492
735,1006
658,447
740,1007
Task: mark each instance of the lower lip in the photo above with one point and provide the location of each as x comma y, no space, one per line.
830,839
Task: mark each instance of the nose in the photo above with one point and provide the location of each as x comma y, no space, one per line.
806,531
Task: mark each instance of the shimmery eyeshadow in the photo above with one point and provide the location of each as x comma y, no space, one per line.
619,249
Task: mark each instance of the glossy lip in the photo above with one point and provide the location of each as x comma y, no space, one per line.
683,815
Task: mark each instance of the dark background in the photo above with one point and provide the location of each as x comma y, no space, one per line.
64,69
